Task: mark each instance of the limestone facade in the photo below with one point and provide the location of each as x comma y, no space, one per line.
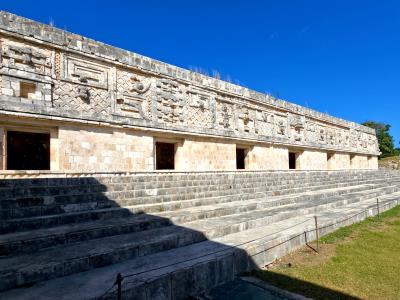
105,109
272,157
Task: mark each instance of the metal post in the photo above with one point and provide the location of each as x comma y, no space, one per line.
316,231
119,286
377,205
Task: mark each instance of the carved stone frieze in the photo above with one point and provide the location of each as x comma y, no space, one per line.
83,93
322,134
79,80
311,134
199,109
85,72
26,57
354,138
296,126
225,114
281,125
246,120
330,136
82,99
133,95
132,106
170,101
265,123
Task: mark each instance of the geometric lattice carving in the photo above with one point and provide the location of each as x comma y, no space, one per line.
199,117
67,96
265,123
199,110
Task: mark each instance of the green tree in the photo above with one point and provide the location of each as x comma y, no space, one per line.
385,140
397,151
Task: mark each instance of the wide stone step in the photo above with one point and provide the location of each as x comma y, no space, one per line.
29,223
33,241
175,180
238,222
36,240
65,260
263,188
21,224
143,189
195,268
30,207
217,209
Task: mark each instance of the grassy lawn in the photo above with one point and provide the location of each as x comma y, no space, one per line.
390,162
361,261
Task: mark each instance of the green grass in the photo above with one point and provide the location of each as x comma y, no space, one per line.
392,162
361,261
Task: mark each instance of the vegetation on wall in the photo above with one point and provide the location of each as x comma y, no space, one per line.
385,139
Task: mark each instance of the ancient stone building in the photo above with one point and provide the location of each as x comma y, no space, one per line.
91,122
69,103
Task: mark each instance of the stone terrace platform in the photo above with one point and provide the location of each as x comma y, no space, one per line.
171,235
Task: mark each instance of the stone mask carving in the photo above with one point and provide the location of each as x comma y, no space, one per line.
281,127
225,116
138,86
84,94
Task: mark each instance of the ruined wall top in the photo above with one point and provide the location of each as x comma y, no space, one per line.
85,79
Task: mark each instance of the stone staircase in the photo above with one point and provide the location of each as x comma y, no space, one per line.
170,234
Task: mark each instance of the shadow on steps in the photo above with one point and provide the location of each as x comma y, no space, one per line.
68,238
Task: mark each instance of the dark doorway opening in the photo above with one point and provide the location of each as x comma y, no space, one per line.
28,151
292,160
352,160
165,156
240,157
329,160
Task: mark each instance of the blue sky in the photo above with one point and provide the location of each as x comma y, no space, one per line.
338,57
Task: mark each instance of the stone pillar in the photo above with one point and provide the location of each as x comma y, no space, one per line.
180,159
373,162
54,150
263,157
359,162
340,161
202,155
312,160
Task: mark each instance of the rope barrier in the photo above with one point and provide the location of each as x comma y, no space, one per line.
107,291
121,277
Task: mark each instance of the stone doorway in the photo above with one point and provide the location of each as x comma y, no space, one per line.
240,158
28,151
165,156
292,160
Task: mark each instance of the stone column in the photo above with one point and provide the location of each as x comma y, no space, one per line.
54,150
